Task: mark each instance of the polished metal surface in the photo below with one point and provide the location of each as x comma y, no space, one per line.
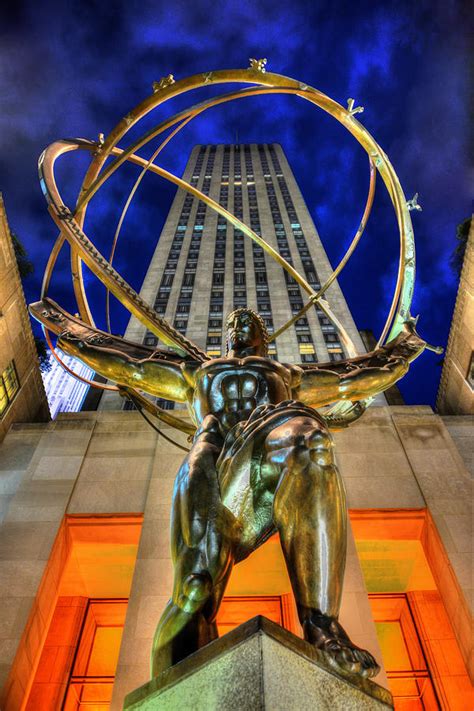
261,461
70,222
261,458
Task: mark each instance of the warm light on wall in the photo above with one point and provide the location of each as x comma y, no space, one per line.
399,552
404,660
93,673
94,557
257,581
238,609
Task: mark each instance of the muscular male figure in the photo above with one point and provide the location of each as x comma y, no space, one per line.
261,461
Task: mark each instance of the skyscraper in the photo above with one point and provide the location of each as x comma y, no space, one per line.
65,393
203,267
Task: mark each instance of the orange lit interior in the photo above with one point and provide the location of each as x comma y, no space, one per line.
260,585
93,672
405,663
77,666
420,653
421,656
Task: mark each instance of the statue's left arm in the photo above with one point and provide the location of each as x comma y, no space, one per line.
361,377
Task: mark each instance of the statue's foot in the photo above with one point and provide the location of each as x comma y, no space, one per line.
327,634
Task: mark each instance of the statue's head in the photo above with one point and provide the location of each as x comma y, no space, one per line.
246,329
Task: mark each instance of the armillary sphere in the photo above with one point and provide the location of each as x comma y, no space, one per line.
107,157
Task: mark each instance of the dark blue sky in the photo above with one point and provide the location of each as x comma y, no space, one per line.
75,68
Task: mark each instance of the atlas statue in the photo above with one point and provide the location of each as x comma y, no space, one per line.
261,459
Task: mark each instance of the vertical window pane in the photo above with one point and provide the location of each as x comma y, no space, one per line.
9,386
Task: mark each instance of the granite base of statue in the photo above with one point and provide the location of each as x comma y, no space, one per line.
258,666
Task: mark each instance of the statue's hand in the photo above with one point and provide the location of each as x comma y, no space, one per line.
407,346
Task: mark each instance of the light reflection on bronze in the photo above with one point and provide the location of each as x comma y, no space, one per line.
261,461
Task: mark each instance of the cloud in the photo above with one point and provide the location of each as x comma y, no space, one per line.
74,69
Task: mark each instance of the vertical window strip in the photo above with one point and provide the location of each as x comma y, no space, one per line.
9,387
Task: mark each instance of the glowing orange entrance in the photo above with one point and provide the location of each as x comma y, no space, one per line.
93,671
94,560
401,557
236,610
405,662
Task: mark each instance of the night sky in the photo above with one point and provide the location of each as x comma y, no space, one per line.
73,69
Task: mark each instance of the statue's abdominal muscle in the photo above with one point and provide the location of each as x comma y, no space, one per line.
231,391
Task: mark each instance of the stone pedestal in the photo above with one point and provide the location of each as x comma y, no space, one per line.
258,667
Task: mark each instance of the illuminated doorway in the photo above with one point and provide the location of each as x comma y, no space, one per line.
93,671
260,585
405,663
235,610
84,593
399,552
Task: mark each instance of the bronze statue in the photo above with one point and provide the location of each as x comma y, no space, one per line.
261,461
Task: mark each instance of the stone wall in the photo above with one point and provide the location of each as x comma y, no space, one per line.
113,463
456,388
16,341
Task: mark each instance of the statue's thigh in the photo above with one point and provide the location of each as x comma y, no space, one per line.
300,432
247,493
195,498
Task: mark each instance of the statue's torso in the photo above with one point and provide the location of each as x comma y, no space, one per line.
231,388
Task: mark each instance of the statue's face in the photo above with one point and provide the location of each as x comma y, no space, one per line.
243,332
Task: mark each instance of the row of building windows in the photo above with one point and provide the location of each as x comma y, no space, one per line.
333,345
187,285
303,333
240,279
307,351
162,297
261,280
216,305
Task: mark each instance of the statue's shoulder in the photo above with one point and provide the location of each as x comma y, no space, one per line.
191,370
290,373
295,373
194,370
264,363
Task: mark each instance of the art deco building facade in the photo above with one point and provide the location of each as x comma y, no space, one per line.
85,563
22,395
456,389
203,268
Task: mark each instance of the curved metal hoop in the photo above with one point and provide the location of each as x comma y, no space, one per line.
128,202
355,241
83,250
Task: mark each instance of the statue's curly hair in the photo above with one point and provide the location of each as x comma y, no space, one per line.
256,318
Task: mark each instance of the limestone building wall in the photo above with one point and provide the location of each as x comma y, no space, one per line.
17,345
456,389
111,463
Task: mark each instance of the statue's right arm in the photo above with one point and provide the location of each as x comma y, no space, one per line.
156,372
152,375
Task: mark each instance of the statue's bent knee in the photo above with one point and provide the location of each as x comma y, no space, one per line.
321,446
196,590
